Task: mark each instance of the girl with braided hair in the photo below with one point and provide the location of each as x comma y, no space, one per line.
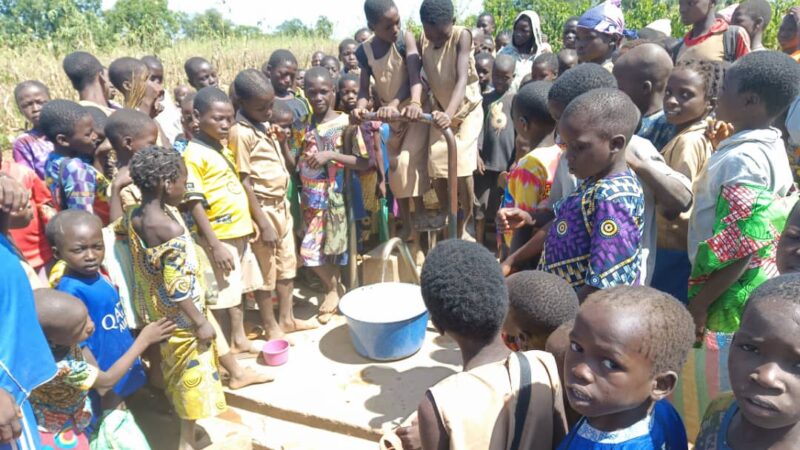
690,97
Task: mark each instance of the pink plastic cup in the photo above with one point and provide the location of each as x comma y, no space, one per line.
276,352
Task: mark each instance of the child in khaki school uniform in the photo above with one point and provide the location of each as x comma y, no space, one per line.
263,155
449,66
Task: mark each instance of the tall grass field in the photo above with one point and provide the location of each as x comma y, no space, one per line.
229,56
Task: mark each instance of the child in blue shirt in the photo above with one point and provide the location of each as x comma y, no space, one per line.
77,239
627,347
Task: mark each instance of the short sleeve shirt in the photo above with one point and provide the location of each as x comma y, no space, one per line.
596,237
32,149
75,184
214,180
64,400
497,149
756,157
259,156
111,338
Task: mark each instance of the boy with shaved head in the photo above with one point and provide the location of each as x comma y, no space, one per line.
642,73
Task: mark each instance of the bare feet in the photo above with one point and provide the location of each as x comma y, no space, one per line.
273,333
248,377
298,325
329,306
246,347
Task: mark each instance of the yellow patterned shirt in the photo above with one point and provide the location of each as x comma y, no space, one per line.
214,180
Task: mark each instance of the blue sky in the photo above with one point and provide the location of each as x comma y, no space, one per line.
347,15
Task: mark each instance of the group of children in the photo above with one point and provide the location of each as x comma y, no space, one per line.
639,187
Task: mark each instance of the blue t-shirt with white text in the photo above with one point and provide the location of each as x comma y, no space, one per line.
111,337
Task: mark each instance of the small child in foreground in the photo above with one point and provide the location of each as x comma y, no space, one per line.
32,147
762,410
77,240
464,291
539,303
62,407
598,246
627,347
169,275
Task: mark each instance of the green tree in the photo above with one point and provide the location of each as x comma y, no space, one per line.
64,23
293,27
323,28
145,23
209,24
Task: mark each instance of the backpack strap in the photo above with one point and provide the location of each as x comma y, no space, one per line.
523,400
729,40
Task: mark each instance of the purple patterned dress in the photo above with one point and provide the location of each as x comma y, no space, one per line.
596,236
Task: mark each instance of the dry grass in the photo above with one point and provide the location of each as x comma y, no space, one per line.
229,56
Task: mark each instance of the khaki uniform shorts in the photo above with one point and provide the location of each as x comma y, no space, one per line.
245,276
278,261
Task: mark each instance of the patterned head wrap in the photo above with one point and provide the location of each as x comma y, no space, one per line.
604,18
